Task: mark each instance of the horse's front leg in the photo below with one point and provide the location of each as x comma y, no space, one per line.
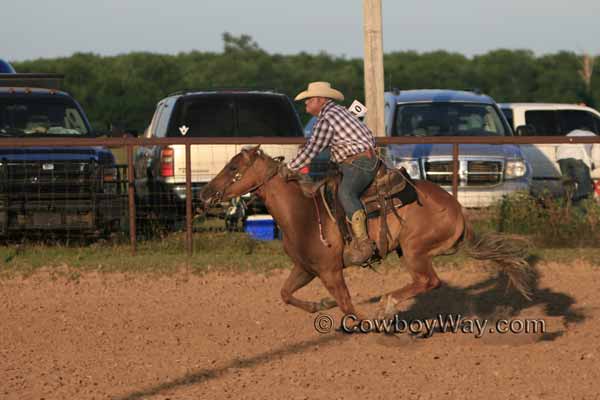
336,285
297,279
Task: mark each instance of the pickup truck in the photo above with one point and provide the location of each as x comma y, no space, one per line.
160,171
68,190
551,119
486,172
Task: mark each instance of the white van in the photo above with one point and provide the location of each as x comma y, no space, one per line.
551,119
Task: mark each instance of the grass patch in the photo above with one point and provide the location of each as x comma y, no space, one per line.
558,233
212,251
549,222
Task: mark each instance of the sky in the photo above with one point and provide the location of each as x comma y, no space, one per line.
31,29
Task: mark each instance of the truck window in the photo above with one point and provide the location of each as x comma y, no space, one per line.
230,115
29,116
576,119
542,123
269,116
448,119
203,116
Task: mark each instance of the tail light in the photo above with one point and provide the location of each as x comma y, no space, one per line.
167,164
109,179
110,174
304,170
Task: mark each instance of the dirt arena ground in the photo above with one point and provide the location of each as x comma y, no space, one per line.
228,335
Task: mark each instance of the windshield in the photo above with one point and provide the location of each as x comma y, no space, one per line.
448,119
46,117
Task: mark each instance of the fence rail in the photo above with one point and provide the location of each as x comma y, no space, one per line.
129,143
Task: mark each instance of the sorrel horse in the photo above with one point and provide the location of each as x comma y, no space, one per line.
433,226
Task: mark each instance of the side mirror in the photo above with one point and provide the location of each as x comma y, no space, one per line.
132,132
118,132
525,130
100,134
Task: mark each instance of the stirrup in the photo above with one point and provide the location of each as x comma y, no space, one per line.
373,261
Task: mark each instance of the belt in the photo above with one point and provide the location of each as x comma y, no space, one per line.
369,153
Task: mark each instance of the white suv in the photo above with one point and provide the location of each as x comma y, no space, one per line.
550,119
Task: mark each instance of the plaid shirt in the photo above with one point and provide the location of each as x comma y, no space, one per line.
337,128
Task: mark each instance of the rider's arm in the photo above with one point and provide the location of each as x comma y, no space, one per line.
320,139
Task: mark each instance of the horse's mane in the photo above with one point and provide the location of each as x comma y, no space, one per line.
306,185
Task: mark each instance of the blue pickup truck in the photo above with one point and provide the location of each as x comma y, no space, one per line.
73,190
486,172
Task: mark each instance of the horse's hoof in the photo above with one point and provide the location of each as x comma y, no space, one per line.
387,307
327,303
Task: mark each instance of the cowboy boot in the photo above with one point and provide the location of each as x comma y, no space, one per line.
360,248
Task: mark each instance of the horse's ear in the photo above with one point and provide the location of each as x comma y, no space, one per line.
248,151
245,154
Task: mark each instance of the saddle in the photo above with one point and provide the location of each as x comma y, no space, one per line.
390,190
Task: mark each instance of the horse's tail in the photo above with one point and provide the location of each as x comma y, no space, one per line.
508,252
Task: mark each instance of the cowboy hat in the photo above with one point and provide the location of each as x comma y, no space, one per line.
320,89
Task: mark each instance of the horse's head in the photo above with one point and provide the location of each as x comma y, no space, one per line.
245,172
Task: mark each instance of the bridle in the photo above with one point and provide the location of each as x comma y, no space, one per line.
273,170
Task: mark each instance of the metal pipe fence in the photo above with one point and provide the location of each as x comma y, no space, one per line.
183,206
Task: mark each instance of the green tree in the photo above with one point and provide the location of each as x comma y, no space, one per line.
124,89
559,79
506,75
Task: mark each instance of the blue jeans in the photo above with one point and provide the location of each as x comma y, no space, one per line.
579,172
356,177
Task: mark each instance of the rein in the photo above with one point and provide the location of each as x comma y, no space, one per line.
323,240
273,170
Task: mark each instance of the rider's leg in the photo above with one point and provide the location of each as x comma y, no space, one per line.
584,181
356,177
568,176
577,171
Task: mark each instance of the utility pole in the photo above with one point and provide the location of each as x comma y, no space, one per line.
374,83
586,72
587,69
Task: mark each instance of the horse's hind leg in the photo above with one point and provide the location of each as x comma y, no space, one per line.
297,279
424,279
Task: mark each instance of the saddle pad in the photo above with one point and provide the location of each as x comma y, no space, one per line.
399,199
